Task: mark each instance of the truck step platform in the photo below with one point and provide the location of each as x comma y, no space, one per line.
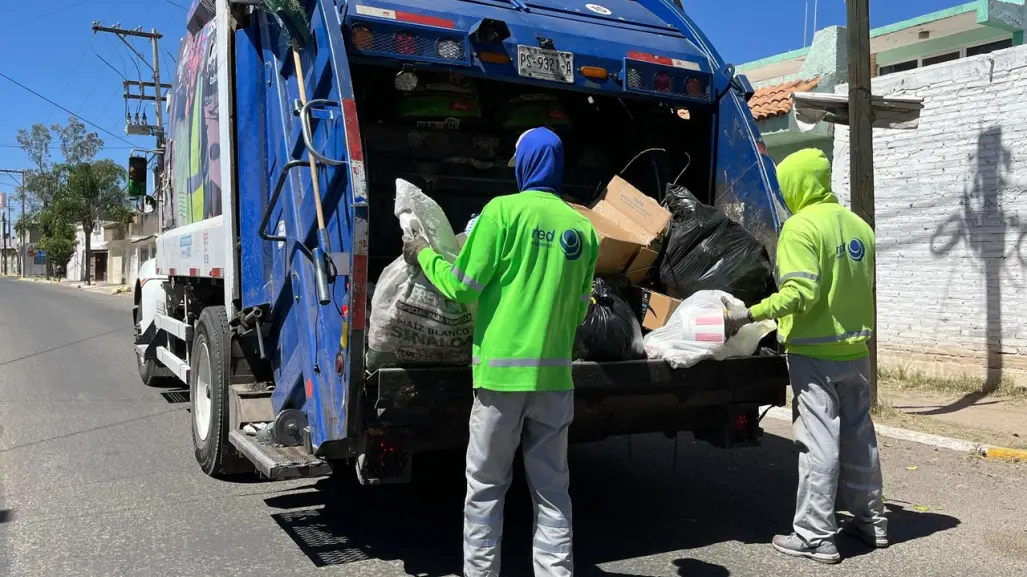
175,327
276,462
174,364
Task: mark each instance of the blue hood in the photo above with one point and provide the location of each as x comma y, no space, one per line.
538,162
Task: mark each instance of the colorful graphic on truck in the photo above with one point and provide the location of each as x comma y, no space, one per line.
195,159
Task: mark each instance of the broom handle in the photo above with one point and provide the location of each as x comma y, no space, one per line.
313,164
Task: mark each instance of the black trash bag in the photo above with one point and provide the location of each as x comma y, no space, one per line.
706,250
610,331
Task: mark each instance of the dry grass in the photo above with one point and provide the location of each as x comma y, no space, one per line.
905,379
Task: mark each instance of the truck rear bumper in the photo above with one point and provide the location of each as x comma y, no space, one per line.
432,404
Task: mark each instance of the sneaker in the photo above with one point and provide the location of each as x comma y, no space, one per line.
865,533
793,546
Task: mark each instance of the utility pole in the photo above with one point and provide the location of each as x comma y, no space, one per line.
158,97
3,227
861,140
21,194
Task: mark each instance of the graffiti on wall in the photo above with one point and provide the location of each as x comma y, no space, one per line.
194,162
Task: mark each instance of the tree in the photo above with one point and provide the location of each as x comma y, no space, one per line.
95,193
60,242
77,145
47,183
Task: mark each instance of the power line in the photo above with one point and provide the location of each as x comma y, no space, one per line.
58,147
109,65
50,13
177,5
89,122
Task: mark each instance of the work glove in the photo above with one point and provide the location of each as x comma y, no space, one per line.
735,317
412,246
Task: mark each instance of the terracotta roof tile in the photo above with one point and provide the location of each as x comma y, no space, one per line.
773,101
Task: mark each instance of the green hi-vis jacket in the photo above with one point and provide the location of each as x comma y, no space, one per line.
825,267
528,262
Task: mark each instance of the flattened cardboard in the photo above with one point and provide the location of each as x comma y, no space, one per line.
631,210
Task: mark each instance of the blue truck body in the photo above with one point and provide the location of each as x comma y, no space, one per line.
313,348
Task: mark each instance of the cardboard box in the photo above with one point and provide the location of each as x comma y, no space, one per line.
632,211
656,309
643,262
617,248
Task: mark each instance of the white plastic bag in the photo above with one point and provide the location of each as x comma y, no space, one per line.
695,332
410,321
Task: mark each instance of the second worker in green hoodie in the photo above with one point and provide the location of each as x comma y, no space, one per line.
825,312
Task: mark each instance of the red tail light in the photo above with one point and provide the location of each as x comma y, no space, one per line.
662,82
740,422
405,43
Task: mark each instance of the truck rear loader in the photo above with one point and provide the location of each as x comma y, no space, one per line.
287,132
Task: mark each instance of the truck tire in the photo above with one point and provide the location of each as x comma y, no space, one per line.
208,391
150,373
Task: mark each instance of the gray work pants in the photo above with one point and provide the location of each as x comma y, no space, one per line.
838,454
538,422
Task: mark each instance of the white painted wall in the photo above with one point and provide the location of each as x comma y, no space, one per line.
951,202
97,243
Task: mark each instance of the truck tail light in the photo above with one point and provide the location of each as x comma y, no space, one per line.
594,72
740,421
695,88
362,37
449,49
662,82
405,43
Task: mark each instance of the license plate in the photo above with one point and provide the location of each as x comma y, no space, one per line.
544,64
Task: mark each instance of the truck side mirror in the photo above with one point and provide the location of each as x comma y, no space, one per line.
137,168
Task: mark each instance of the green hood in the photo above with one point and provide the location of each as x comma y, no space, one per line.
805,179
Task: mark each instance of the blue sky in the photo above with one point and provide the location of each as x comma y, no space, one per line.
51,49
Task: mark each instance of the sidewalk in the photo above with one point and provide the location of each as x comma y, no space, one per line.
999,420
101,287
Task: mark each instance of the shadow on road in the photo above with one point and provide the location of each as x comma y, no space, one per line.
968,400
6,515
632,499
65,345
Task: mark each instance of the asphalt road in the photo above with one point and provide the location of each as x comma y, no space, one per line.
97,478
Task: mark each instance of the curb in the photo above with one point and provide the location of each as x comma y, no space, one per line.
963,446
1003,453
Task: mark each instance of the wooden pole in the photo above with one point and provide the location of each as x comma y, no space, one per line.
861,139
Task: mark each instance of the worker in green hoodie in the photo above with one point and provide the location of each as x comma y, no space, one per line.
825,312
528,262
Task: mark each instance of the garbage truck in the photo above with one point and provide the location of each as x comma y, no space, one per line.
288,125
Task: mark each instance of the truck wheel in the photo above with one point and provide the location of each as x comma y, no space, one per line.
208,391
150,373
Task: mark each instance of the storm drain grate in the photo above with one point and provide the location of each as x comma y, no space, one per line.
176,397
319,538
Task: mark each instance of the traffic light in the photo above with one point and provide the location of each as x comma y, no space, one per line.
137,167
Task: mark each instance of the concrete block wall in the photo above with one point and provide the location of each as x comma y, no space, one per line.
951,203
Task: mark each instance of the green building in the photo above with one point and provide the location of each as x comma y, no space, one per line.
966,30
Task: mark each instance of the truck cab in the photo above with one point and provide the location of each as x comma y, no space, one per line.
287,134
